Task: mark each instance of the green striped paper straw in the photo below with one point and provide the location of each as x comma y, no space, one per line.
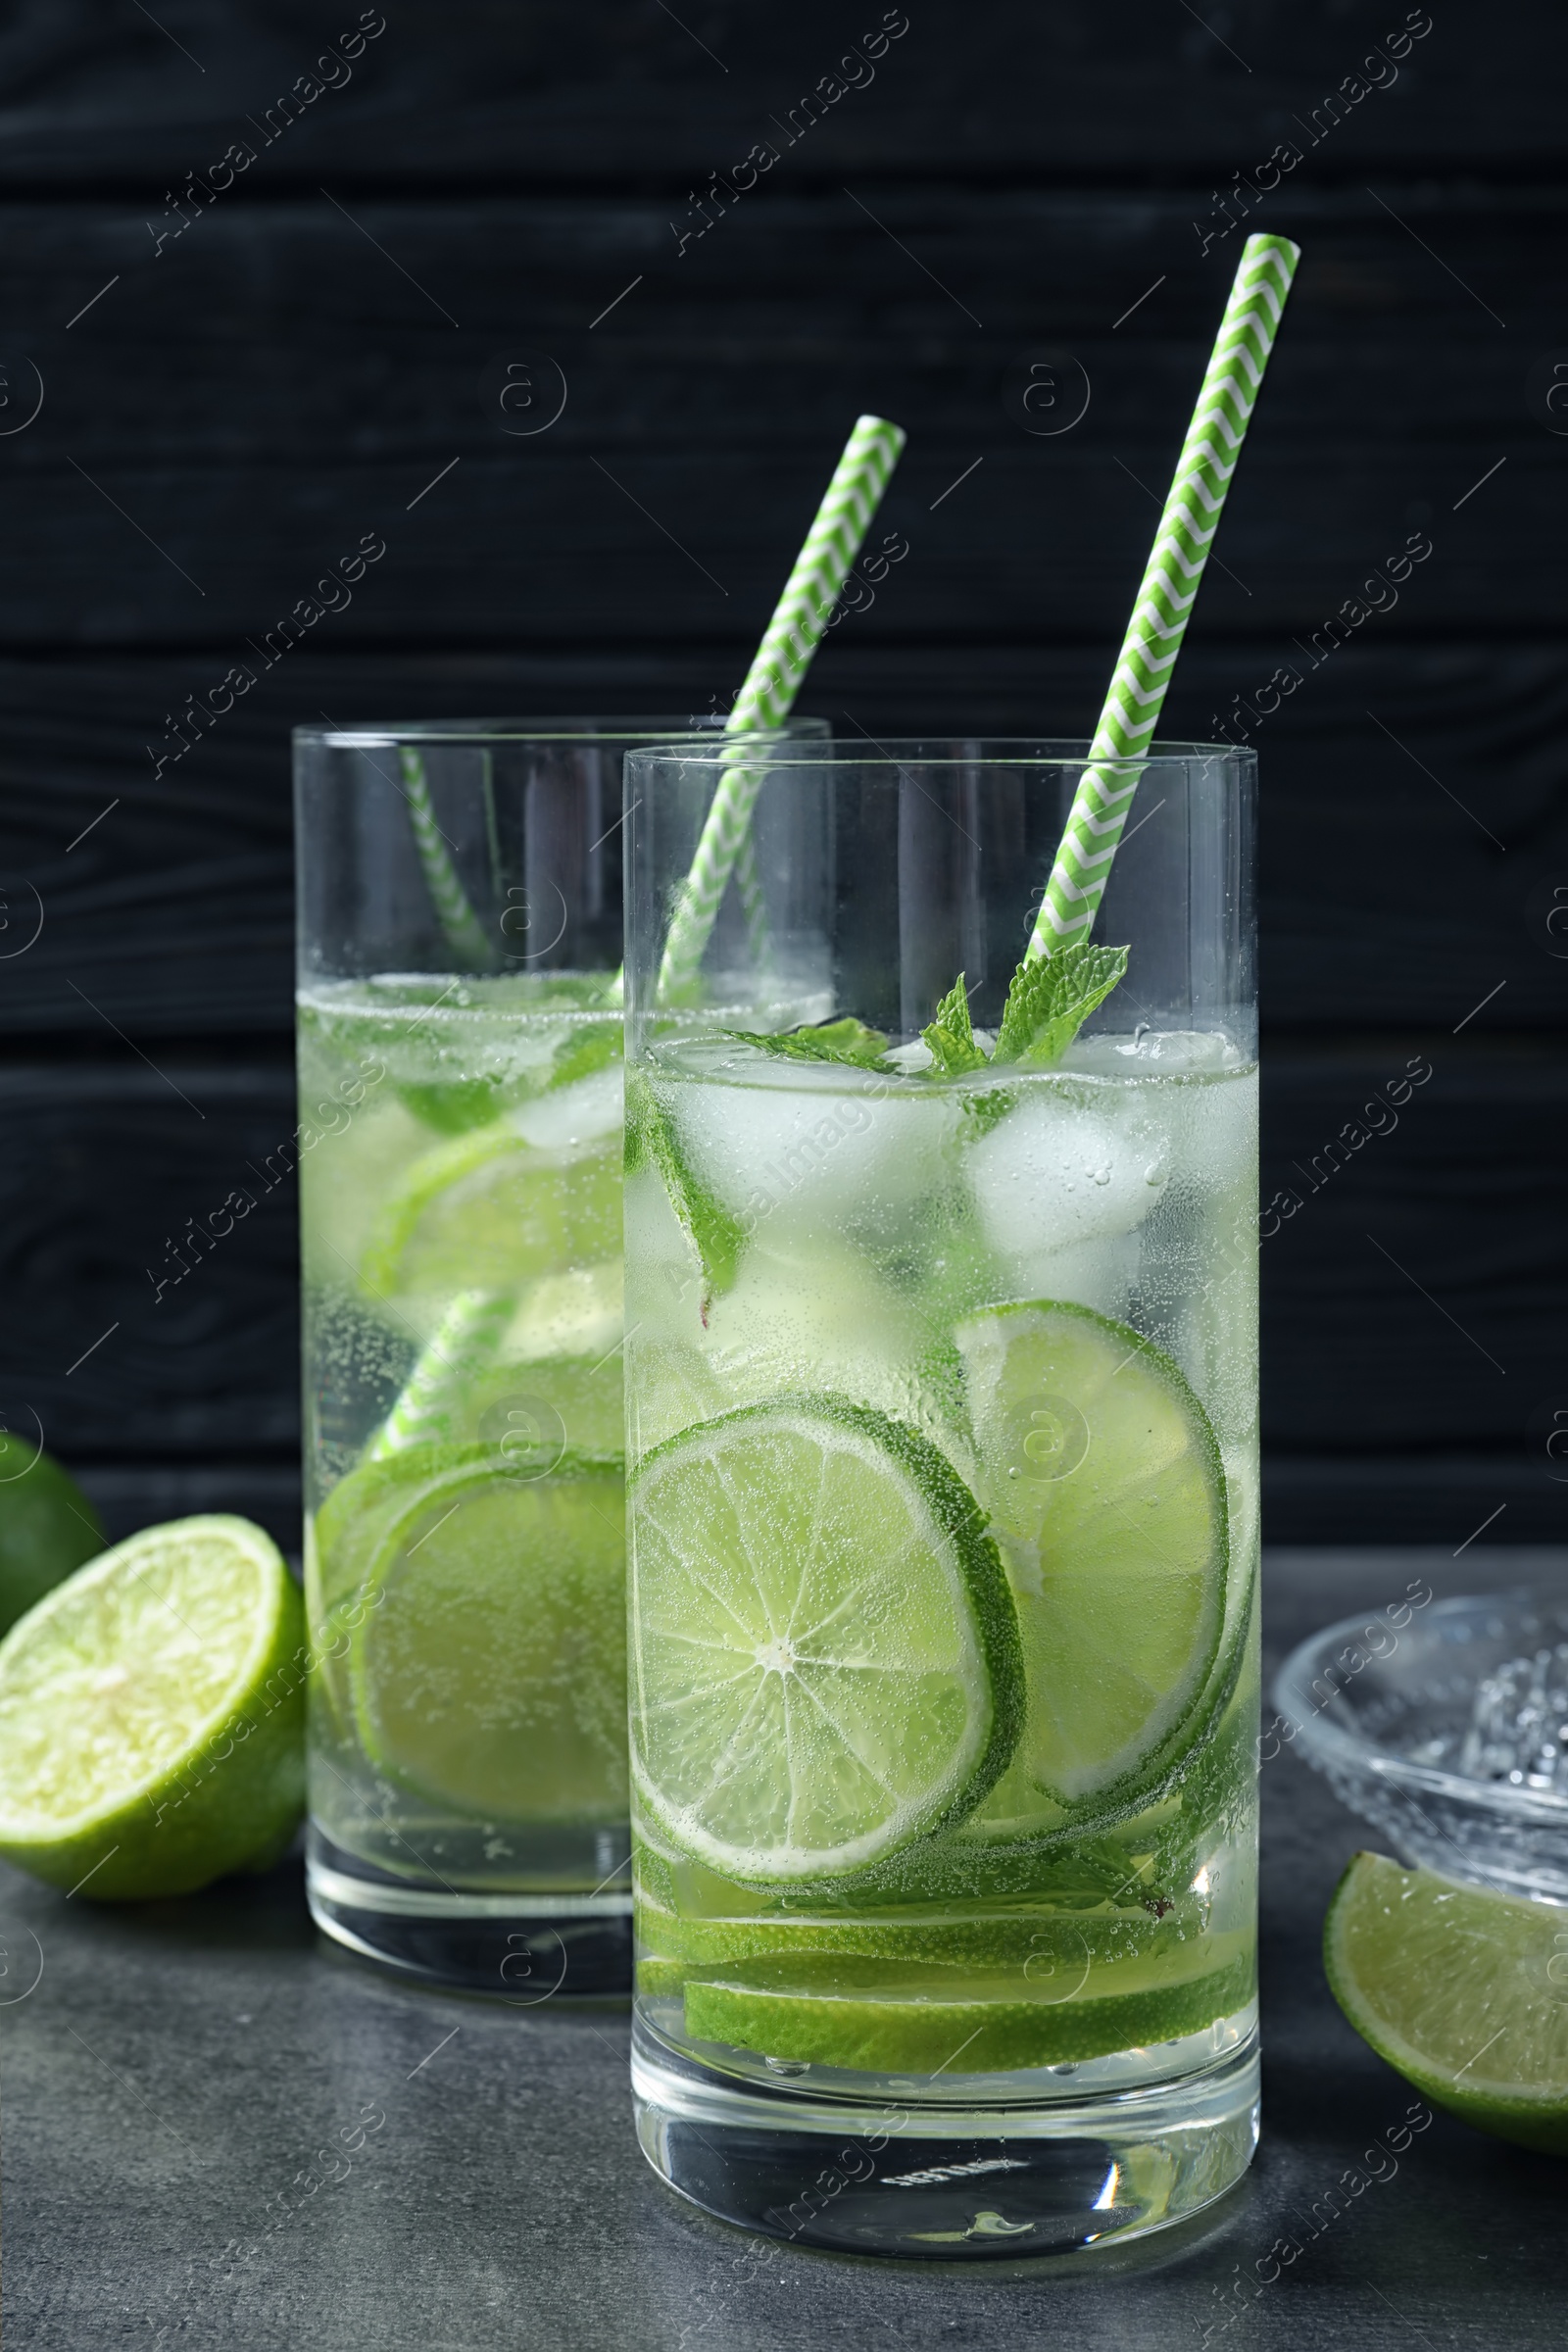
1170,589
464,1343
464,934
773,680
753,903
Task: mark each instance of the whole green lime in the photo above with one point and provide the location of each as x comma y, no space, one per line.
47,1527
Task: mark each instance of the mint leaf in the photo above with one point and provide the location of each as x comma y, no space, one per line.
847,1040
979,1112
716,1236
1051,998
950,1035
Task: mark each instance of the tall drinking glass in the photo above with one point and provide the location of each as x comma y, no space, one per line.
943,1512
459,1159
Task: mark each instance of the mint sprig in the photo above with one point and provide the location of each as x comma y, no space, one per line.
715,1237
1047,1003
847,1040
950,1035
1050,1000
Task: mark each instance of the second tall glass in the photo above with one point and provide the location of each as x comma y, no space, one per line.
460,1158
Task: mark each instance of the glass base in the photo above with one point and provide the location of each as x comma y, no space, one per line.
883,2174
520,1948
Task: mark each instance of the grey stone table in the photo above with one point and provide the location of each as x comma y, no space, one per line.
170,2074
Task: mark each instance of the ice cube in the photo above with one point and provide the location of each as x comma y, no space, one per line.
784,1150
1094,1274
1062,1169
1115,1053
575,1314
819,1319
822,1319
578,1113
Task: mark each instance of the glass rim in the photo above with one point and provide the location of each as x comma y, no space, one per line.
985,750
617,727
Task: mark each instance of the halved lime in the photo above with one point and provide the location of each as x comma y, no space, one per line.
488,1666
982,2026
826,1662
1464,1992
1104,1485
490,1211
151,1714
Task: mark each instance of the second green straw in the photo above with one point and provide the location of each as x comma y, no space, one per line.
774,679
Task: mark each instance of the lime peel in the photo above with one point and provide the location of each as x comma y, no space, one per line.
928,2034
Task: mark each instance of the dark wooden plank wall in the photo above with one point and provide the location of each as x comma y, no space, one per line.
228,413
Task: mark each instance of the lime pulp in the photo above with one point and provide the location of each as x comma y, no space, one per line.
826,1666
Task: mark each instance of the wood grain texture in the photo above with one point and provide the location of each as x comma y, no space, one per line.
1403,1297
174,915
226,421
479,93
100,1171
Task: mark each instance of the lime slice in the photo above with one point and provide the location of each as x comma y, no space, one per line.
47,1527
488,1666
343,1538
1107,1496
981,2027
1464,1992
490,1211
150,1714
1046,1941
827,1663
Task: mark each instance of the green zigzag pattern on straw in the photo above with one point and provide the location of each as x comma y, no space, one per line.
1170,589
774,678
457,918
753,903
464,1343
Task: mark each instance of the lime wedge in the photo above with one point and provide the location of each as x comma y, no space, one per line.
1103,1481
826,1664
1464,1992
488,1663
150,1714
491,1211
982,2027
